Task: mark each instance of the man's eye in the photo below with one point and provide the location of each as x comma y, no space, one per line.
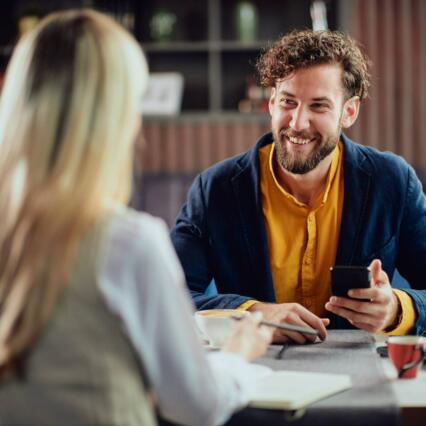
320,106
289,102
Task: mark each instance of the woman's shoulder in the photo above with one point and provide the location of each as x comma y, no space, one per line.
130,221
130,230
137,245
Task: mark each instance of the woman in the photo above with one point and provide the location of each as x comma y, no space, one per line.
90,291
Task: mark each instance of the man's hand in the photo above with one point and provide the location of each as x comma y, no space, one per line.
291,313
378,314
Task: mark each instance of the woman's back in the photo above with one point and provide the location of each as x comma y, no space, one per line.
82,370
76,275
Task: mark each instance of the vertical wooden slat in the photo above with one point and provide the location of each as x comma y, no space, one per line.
399,69
386,77
406,99
422,80
415,76
205,152
153,142
170,148
371,130
238,138
196,146
222,141
355,132
186,148
145,152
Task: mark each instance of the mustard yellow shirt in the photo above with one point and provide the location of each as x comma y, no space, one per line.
303,246
303,240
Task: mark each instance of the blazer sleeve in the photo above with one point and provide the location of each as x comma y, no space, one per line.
411,258
190,237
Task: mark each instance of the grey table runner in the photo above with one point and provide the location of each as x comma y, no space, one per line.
370,401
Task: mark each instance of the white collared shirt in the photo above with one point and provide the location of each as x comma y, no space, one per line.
142,282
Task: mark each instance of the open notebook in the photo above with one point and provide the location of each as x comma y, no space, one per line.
291,390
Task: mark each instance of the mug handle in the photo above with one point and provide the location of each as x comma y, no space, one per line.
412,364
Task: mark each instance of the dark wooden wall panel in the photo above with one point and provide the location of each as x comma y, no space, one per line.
182,146
394,37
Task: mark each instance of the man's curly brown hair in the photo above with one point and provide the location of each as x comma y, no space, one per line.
303,49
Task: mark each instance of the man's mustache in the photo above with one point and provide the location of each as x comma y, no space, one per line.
300,135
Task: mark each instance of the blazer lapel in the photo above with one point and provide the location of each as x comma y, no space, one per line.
246,187
357,188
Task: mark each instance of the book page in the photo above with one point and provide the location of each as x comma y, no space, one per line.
292,390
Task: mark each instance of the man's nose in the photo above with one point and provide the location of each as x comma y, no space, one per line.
299,119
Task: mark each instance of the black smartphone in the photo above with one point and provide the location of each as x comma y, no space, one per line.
344,278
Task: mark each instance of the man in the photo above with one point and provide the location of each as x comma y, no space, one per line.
267,225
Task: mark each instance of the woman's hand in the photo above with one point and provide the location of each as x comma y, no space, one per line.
249,339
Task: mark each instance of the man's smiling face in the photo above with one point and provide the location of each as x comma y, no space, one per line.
308,110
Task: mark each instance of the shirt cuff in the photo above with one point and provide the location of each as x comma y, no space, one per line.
246,305
408,314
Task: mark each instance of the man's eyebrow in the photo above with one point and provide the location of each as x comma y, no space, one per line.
322,99
285,93
317,99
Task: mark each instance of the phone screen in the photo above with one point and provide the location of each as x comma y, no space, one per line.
344,278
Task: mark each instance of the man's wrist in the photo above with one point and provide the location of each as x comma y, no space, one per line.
246,306
257,306
397,318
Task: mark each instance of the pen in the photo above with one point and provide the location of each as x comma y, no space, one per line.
285,326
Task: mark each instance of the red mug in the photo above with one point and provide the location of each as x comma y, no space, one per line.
406,354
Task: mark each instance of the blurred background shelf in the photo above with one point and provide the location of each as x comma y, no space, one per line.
213,44
211,27
201,46
176,46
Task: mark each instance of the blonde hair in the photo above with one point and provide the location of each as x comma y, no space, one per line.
68,116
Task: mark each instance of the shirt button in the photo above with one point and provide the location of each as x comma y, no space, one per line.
308,261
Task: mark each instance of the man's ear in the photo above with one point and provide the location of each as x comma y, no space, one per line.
272,100
350,111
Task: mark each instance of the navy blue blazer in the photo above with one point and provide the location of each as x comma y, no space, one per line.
220,231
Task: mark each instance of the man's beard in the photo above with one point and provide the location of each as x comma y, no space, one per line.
298,164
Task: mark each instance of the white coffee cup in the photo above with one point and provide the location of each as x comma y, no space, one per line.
216,324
